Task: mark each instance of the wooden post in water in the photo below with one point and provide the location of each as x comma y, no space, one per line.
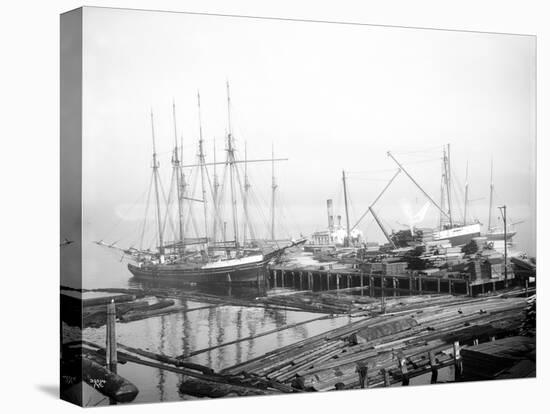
450,287
420,284
361,282
348,280
394,283
337,281
433,366
457,361
402,363
410,285
371,285
111,351
310,280
438,285
282,278
328,280
482,288
386,375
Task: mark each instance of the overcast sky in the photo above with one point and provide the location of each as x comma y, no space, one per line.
331,97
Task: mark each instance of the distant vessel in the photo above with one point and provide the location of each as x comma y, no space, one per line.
456,232
204,259
496,233
458,235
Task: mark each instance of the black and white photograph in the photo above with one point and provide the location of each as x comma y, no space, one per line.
257,206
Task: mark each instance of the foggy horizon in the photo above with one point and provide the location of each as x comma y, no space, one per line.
331,98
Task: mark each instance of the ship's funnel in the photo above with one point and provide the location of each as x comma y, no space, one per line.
330,213
339,221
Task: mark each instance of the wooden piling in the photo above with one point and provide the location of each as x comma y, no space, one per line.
348,281
371,285
328,280
386,375
282,278
438,285
450,287
402,363
337,281
301,280
433,366
111,354
420,284
457,361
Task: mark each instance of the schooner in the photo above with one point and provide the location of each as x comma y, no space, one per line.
210,258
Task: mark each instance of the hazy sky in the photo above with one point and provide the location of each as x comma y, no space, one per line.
329,96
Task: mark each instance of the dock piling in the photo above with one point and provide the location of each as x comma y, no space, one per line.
433,366
402,363
111,351
457,361
386,375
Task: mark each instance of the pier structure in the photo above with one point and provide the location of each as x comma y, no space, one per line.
371,283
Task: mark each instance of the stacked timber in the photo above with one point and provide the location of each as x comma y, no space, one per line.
416,335
489,360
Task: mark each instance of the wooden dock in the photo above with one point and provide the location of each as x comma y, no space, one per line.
374,284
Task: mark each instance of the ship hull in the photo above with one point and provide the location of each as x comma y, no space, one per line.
458,235
250,273
500,235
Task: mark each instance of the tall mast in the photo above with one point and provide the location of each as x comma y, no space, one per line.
466,196
490,199
176,166
503,213
231,161
216,186
442,197
202,167
447,163
245,198
346,206
273,191
156,181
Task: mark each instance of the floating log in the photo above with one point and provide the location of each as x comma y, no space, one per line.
107,382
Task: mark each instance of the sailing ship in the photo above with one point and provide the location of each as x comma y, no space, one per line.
205,259
455,232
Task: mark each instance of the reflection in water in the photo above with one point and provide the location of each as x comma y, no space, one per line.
182,333
161,349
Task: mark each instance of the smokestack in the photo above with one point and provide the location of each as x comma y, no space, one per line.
330,213
339,221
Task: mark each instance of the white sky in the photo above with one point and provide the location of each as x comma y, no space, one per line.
329,96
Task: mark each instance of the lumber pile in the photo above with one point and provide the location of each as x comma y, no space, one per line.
488,360
416,335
